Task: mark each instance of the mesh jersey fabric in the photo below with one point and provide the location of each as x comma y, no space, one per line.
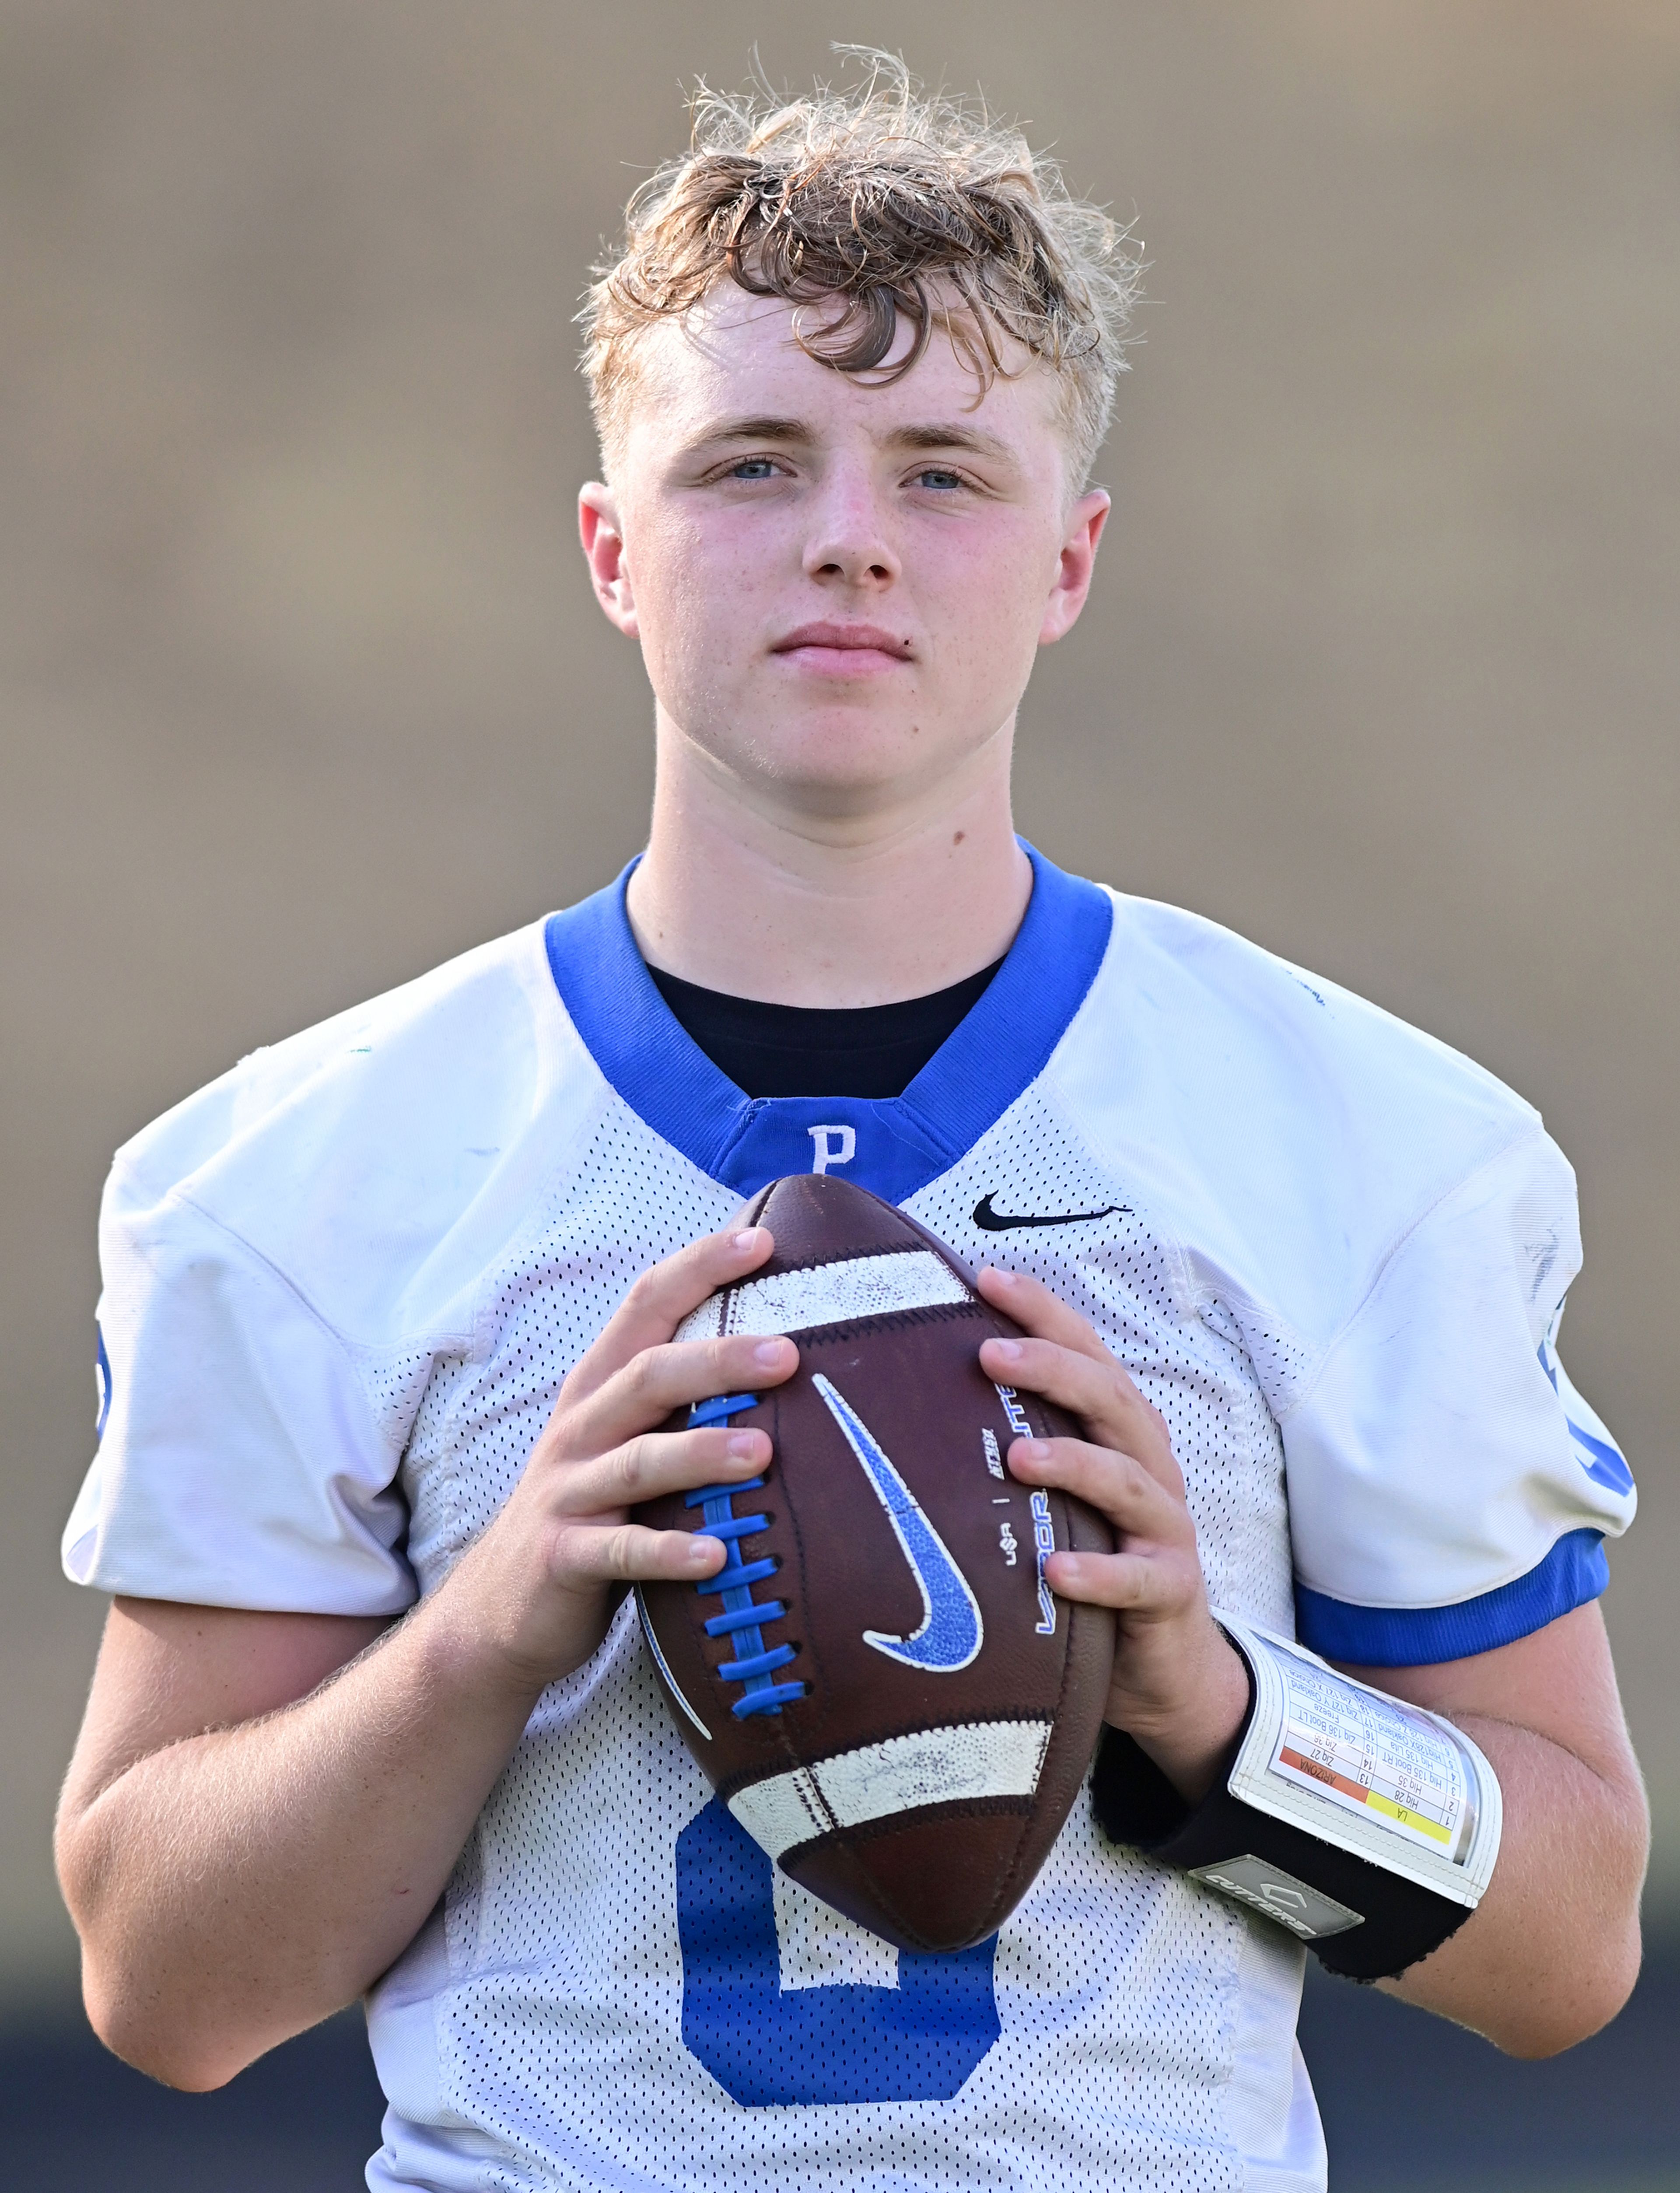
390,1238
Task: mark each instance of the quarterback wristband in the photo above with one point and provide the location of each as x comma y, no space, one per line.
1367,1826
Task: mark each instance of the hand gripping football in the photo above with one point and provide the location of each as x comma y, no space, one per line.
879,1683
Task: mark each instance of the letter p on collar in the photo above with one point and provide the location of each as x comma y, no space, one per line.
833,1146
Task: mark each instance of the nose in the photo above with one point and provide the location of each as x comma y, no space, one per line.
850,540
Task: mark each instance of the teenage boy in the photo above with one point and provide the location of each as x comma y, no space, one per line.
388,1319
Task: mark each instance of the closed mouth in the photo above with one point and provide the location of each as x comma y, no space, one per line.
864,641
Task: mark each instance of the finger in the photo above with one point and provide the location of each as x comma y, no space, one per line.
662,1297
645,1391
630,1553
1117,1485
1152,1584
1045,1316
1033,1306
1098,1391
655,1463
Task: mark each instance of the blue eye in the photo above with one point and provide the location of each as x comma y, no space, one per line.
753,468
938,479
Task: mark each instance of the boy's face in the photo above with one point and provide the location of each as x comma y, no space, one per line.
839,588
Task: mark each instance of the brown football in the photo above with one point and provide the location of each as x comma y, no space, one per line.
879,1684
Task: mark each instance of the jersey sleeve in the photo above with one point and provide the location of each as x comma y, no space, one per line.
287,1254
241,1462
1449,1492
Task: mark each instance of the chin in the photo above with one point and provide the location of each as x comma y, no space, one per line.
834,760
850,740
846,770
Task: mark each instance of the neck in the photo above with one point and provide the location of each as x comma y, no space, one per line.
872,899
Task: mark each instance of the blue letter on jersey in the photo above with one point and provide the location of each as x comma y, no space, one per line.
915,2042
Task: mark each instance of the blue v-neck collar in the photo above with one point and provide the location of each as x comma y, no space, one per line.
893,1145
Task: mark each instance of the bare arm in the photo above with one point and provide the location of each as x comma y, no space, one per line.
245,1844
257,1821
1552,1952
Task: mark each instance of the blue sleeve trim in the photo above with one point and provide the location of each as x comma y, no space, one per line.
1573,1573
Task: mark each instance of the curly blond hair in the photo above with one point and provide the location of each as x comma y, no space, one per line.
869,203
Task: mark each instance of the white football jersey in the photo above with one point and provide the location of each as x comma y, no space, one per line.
343,1284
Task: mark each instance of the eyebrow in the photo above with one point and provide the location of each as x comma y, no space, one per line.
938,434
945,435
755,428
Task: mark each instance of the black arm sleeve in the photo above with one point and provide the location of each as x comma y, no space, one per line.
1358,1919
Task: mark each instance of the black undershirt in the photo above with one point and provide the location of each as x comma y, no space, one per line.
816,1050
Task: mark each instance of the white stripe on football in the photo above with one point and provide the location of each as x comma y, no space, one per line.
932,1767
826,1294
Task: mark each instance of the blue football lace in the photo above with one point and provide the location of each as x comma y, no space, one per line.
743,1616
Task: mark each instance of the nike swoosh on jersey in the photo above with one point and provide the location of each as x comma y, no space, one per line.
951,1632
994,1222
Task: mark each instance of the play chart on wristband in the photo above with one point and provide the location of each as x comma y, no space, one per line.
1364,1755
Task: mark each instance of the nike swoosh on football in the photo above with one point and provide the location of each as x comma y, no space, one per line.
994,1222
950,1632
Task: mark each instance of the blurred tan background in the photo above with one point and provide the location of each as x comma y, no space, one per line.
303,690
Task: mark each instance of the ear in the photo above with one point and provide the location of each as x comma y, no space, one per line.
602,533
1075,564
